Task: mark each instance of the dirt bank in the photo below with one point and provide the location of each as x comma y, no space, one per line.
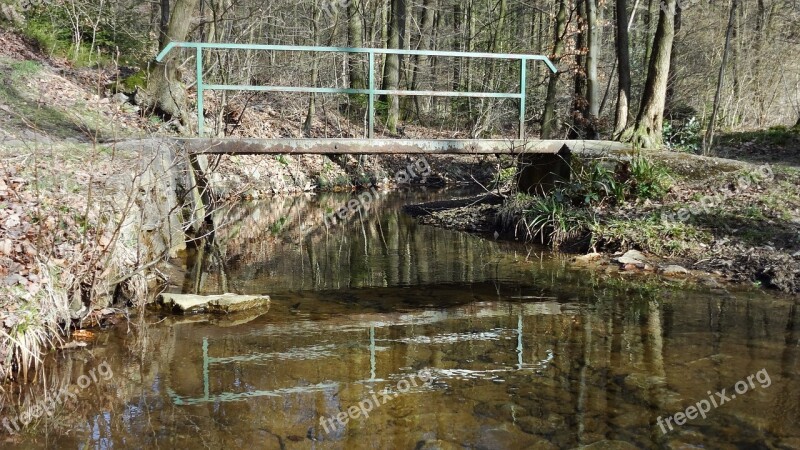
720,219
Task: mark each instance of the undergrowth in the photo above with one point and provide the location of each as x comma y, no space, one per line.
570,210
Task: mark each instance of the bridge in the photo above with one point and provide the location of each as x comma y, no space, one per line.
539,158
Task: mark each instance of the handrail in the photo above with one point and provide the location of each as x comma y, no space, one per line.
370,91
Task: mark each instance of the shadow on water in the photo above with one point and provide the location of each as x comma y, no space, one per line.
522,351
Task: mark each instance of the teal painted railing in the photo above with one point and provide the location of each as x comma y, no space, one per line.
371,91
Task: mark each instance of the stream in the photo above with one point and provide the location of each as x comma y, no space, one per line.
383,333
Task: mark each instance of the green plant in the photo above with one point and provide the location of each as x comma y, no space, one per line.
22,69
648,179
276,227
683,137
555,221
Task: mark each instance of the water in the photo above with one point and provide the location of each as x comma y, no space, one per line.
445,340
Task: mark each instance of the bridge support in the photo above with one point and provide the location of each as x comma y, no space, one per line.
537,174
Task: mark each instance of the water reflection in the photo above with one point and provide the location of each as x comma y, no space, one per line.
525,353
286,245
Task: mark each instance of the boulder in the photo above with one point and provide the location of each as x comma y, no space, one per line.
225,303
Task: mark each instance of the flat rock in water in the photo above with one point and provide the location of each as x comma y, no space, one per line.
632,257
673,269
225,303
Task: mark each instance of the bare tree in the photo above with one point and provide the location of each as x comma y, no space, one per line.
549,123
624,77
164,91
708,139
646,132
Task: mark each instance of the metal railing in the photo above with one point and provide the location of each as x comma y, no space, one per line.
371,91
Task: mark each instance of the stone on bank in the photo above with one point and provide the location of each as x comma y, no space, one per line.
225,303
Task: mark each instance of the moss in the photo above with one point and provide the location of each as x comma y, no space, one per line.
137,80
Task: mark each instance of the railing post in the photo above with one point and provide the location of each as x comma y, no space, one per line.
200,116
523,76
371,107
205,369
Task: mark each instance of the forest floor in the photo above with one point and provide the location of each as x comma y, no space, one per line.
722,219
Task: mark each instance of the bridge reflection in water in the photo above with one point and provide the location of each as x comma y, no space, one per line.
526,352
335,339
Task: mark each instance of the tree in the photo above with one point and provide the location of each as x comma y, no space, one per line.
592,54
646,132
163,24
164,92
421,62
391,68
708,139
355,38
549,123
624,77
579,102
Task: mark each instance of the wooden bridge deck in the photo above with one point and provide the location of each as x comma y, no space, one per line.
233,146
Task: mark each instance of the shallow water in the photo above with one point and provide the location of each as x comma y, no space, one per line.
443,339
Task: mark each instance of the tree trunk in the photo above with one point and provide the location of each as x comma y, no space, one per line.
708,139
624,62
163,25
549,125
355,38
391,69
312,100
164,92
592,83
673,73
646,132
579,103
421,62
647,19
458,17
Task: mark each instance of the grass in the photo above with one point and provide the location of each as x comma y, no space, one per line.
650,234
22,69
568,212
778,135
33,325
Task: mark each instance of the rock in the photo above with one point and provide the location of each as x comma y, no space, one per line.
537,425
119,97
226,303
792,442
632,257
635,254
673,269
437,445
586,259
610,445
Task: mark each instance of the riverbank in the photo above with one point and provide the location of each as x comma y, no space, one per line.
88,219
85,223
717,220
